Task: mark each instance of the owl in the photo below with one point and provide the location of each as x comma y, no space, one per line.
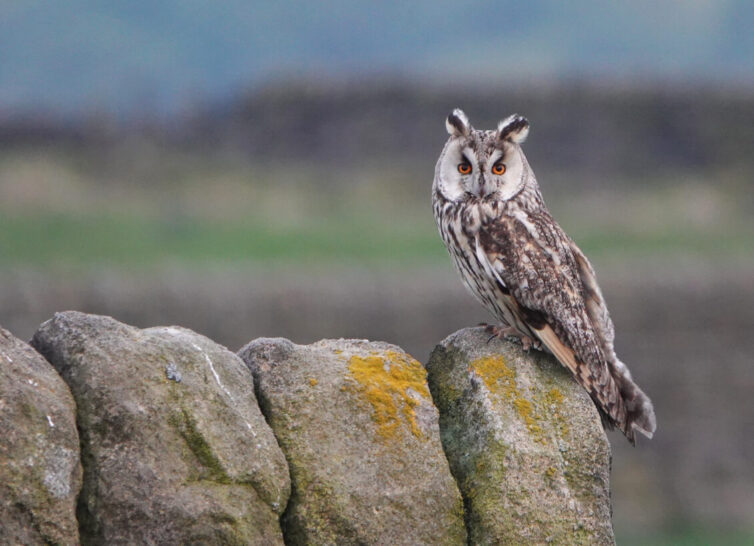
519,263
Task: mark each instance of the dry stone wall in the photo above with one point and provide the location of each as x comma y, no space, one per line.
338,442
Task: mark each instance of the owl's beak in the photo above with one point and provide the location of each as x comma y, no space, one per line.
480,188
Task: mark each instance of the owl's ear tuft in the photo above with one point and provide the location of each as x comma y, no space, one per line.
458,124
514,128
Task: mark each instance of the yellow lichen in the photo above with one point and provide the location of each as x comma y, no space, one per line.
554,400
385,381
495,374
525,411
501,381
312,382
554,396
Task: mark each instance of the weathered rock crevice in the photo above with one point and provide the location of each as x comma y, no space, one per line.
264,406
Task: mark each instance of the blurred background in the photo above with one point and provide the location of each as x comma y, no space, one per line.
264,169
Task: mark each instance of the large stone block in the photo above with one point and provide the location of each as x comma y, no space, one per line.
174,447
358,427
40,473
524,441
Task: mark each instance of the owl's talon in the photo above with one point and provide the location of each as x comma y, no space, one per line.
495,331
502,332
527,343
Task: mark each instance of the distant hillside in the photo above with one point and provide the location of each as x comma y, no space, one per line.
575,129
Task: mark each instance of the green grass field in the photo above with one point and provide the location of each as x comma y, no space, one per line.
133,241
69,209
51,238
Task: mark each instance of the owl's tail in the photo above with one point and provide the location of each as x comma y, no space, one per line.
620,401
639,414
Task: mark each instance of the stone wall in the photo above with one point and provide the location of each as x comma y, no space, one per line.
339,442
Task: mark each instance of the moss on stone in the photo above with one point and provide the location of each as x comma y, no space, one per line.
186,426
445,392
481,491
311,508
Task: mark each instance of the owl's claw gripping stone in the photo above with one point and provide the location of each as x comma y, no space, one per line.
502,332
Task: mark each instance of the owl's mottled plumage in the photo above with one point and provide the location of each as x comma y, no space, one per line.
523,268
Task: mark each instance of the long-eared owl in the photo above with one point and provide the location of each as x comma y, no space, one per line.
519,263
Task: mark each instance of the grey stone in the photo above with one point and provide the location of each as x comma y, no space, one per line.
524,441
358,427
174,447
40,472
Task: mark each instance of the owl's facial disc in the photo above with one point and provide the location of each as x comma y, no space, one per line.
482,164
479,166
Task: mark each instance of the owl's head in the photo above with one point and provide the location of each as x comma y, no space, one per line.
482,164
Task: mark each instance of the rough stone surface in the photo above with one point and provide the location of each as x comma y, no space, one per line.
524,442
40,473
174,447
358,427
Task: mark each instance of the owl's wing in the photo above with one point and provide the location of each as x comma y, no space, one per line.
640,412
552,290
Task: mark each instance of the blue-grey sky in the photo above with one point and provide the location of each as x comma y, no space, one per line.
162,55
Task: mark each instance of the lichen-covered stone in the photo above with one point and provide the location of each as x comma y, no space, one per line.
524,441
174,447
40,473
358,427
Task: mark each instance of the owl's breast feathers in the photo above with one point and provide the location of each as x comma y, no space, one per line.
553,291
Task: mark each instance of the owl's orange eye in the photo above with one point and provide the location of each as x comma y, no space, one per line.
464,168
498,168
